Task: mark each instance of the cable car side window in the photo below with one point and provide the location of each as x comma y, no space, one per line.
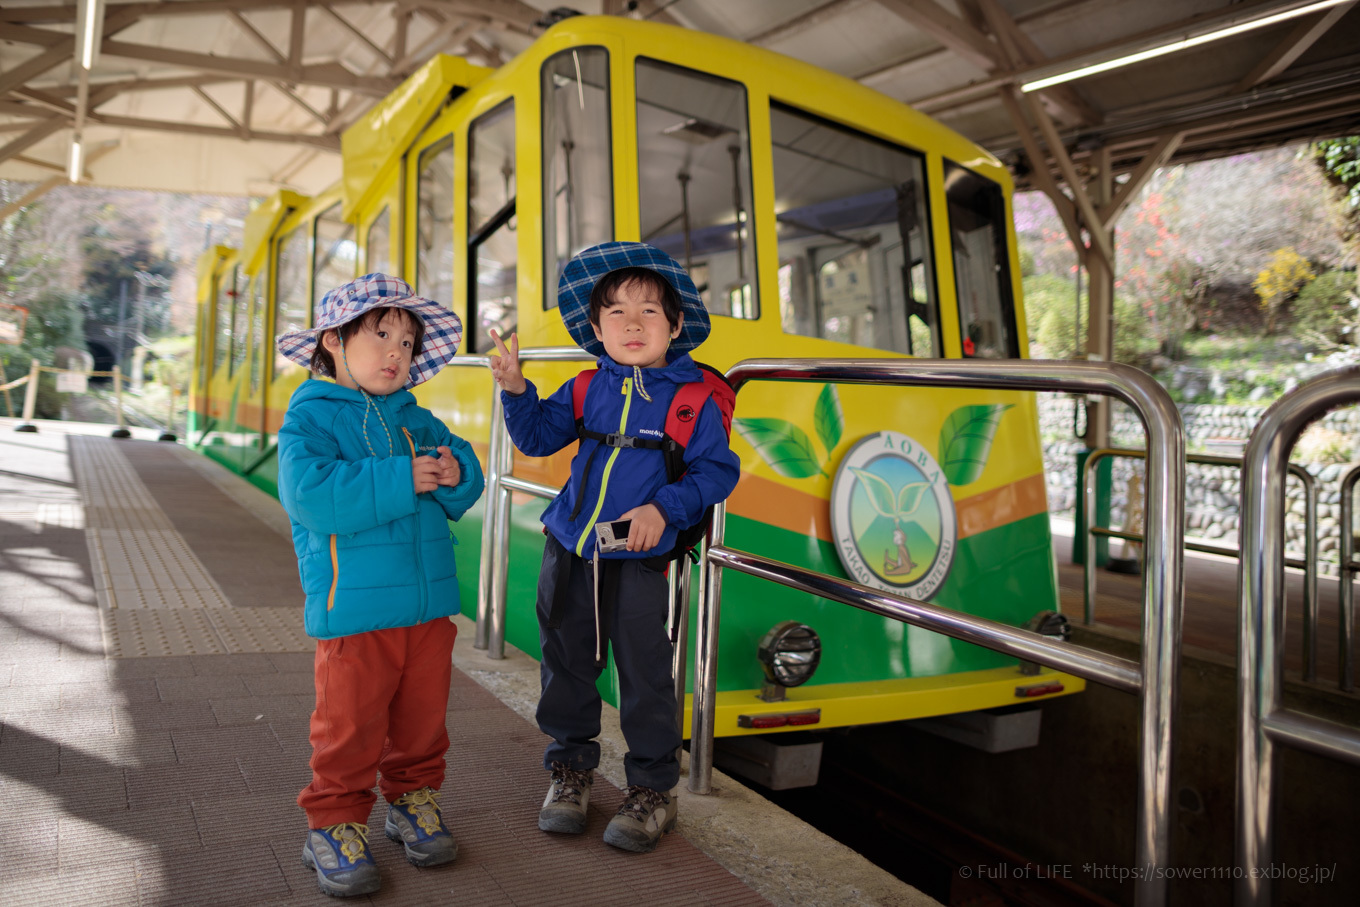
238,321
334,253
982,273
855,261
379,243
292,310
226,315
257,353
434,223
694,181
578,187
492,250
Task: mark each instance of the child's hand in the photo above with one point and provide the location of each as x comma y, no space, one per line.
425,473
449,473
648,524
505,364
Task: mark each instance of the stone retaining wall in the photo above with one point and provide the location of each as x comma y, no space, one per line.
1211,492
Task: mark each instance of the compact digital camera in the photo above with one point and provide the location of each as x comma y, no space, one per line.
611,537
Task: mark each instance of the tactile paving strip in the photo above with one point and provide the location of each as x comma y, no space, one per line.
155,596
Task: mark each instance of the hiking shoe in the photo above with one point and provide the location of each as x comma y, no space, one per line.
339,854
564,809
414,821
643,818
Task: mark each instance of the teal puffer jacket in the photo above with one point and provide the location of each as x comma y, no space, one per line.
371,552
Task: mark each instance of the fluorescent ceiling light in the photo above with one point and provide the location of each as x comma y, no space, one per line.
89,23
1235,25
75,161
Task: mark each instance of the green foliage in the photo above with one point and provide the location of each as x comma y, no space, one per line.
828,418
1340,161
966,441
1286,273
1323,312
783,445
1059,338
54,319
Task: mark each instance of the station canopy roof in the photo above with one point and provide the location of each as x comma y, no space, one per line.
242,97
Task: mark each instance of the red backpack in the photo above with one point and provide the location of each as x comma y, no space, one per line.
684,411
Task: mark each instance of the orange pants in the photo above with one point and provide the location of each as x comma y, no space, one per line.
381,699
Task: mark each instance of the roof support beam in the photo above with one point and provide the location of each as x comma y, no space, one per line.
34,135
327,75
363,38
810,19
954,33
297,35
1023,53
55,182
1100,240
1042,177
325,142
221,111
1159,155
282,88
1292,47
63,51
493,57
255,35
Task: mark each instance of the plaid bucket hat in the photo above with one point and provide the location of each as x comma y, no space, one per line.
580,275
348,301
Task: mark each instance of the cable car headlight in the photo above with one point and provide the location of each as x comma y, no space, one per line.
789,654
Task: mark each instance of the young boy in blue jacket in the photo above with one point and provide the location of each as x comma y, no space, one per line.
370,480
638,310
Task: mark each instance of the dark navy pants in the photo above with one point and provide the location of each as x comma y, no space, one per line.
569,708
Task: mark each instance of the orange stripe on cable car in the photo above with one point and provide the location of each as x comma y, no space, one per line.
771,502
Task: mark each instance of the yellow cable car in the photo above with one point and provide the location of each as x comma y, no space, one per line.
819,219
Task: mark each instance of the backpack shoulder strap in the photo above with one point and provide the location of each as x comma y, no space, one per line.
579,386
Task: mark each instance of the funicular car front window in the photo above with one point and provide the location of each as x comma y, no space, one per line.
434,223
334,253
239,301
982,273
492,244
578,189
694,181
226,308
291,306
854,244
379,243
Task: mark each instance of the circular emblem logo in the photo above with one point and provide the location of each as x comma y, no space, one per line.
893,516
685,413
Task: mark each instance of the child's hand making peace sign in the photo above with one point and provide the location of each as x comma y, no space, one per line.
505,364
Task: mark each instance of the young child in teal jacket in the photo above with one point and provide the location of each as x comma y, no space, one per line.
370,480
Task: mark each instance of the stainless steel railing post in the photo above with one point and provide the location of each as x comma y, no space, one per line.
1260,662
1346,577
677,587
706,660
1163,562
498,513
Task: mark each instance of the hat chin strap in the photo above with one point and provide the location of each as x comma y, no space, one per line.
368,404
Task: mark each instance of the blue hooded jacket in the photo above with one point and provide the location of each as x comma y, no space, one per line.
623,478
371,552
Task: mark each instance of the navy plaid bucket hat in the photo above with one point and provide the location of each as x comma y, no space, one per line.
580,275
348,301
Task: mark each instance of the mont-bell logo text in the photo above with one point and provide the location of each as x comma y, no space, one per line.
685,413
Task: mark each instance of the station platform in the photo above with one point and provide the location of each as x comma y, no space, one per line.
155,689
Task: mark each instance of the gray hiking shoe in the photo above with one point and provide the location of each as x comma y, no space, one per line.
414,820
339,854
643,818
564,809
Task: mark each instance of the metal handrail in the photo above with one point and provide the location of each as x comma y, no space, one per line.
493,568
1155,678
1346,601
1308,563
1262,721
